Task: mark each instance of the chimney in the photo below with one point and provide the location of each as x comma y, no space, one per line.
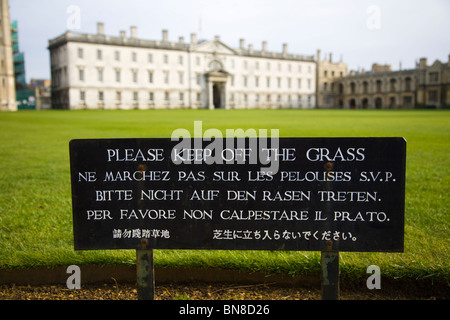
331,57
423,63
318,55
264,46
250,48
181,40
123,34
165,35
100,28
216,38
193,38
133,32
284,49
242,44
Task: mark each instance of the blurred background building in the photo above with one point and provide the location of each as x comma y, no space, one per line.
7,81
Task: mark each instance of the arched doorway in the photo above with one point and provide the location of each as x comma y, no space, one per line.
365,103
352,104
378,103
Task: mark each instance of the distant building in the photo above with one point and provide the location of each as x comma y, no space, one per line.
7,82
433,89
96,71
422,87
24,95
327,73
42,93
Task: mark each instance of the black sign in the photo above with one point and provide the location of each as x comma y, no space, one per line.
239,193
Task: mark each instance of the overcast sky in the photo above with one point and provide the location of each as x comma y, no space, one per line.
361,32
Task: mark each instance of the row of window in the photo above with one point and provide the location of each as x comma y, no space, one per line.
198,78
181,95
180,60
378,86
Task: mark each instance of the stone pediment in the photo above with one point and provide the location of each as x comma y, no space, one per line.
214,46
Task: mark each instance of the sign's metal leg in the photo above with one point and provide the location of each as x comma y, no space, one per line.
145,274
330,275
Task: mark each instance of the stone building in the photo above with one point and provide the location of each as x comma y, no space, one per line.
96,71
327,73
7,80
381,88
433,89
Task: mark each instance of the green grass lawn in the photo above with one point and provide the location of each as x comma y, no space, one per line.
35,198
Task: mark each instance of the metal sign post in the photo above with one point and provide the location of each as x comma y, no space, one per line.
329,276
145,272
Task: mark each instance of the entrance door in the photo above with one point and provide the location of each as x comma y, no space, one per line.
217,96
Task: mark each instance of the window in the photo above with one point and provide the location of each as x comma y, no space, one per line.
365,87
256,81
257,65
80,53
279,82
180,77
197,62
378,86
150,58
392,84
289,82
407,101
408,84
117,75
198,78
150,76
135,95
118,96
166,96
268,66
434,76
309,83
180,60
99,55
134,74
432,96
181,96
299,83
100,75
117,55
81,74
199,96
166,77
244,80
166,59
134,56
82,95
268,82
352,87
151,96
100,96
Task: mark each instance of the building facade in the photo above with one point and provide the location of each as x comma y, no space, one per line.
7,81
96,71
422,87
328,72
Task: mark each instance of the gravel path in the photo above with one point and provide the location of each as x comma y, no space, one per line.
127,291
